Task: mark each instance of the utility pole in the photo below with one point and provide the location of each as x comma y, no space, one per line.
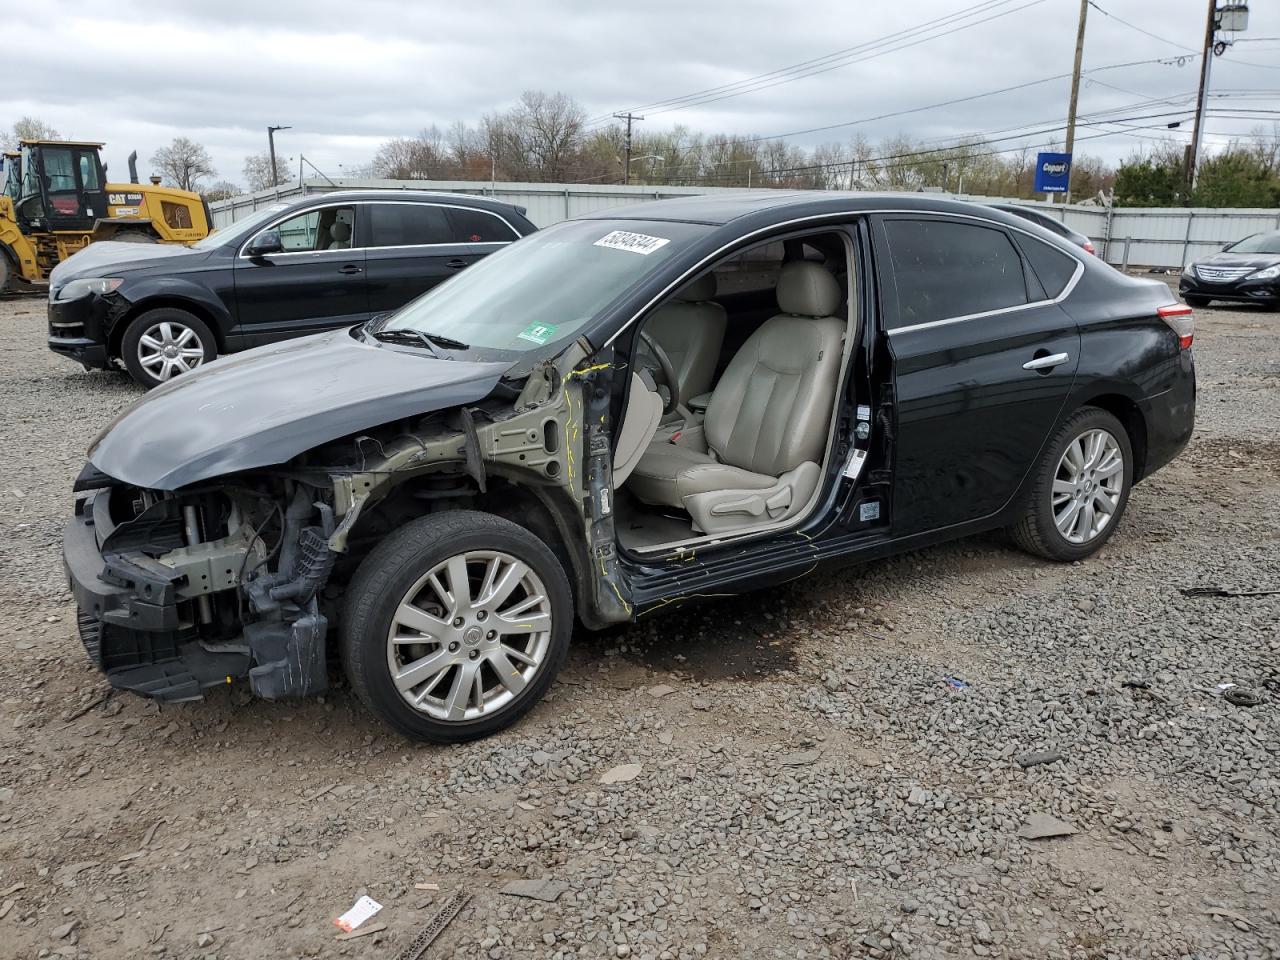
1206,63
626,163
1075,94
271,149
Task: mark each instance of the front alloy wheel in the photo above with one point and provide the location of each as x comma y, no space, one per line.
1079,490
455,625
164,343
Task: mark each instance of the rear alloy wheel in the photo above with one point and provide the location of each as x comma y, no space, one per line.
1080,488
165,343
455,625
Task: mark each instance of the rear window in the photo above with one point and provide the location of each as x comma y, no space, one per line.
476,226
408,224
1053,268
944,269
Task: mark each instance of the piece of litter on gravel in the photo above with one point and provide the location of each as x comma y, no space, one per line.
427,935
661,690
426,886
799,758
621,774
546,890
955,683
1216,912
362,932
361,910
1042,756
1041,826
319,793
1241,696
1195,592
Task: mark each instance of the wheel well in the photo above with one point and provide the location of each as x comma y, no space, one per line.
511,501
195,309
1135,425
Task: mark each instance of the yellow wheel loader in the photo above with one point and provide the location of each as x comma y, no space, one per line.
54,200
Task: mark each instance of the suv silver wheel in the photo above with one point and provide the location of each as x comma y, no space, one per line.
469,635
1087,486
169,348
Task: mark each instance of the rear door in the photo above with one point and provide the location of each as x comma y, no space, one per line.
318,282
412,246
983,359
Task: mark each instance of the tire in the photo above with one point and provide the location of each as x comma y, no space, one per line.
1038,531
392,599
186,333
5,270
134,236
1193,301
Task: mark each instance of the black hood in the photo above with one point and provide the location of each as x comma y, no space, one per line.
1229,259
265,406
109,257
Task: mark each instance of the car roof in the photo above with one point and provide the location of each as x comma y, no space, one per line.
424,196
782,205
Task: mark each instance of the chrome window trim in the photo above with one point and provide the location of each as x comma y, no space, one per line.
406,246
844,216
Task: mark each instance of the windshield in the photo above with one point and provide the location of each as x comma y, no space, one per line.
241,227
546,287
1258,243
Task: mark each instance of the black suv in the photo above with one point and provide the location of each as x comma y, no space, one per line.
290,269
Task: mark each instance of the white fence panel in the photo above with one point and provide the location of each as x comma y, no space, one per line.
1135,236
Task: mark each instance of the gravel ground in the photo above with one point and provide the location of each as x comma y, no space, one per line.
809,784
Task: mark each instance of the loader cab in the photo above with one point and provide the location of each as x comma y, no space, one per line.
63,186
11,176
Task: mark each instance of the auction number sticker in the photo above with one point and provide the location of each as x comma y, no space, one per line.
640,243
538,333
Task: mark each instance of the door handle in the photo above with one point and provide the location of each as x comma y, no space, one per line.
457,263
349,268
1046,362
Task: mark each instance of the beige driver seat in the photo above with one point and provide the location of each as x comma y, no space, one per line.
690,329
767,421
339,235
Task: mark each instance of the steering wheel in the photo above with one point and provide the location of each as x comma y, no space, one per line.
668,372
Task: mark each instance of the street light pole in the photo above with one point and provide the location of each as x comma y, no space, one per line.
271,150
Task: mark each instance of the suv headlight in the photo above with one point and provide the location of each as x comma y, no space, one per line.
1266,273
1190,269
76,289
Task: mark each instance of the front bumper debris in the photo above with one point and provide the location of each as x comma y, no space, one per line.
160,624
79,329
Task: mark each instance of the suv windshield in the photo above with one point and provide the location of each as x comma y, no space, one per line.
1258,243
546,287
218,237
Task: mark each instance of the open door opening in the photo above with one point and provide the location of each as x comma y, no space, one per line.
729,417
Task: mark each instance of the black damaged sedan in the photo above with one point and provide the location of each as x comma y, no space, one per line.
609,418
1247,271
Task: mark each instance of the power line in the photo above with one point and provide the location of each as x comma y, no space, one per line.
1134,26
859,53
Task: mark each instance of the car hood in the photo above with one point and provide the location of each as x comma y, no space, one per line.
265,406
117,255
1229,259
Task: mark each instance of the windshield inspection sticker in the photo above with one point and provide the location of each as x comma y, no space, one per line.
640,243
538,333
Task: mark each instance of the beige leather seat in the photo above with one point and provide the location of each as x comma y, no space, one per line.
691,330
339,236
767,422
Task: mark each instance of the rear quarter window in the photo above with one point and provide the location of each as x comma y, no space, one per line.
1053,268
476,226
944,269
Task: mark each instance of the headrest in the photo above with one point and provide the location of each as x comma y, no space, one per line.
806,288
340,230
704,288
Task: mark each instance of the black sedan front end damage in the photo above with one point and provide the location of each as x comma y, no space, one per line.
178,592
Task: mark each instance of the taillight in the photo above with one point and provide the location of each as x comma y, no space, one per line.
1181,321
1088,248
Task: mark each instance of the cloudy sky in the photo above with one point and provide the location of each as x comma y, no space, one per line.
348,75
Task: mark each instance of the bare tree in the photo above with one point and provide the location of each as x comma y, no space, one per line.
29,128
184,163
257,172
222,190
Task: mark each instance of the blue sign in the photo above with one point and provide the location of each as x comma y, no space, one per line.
1052,172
